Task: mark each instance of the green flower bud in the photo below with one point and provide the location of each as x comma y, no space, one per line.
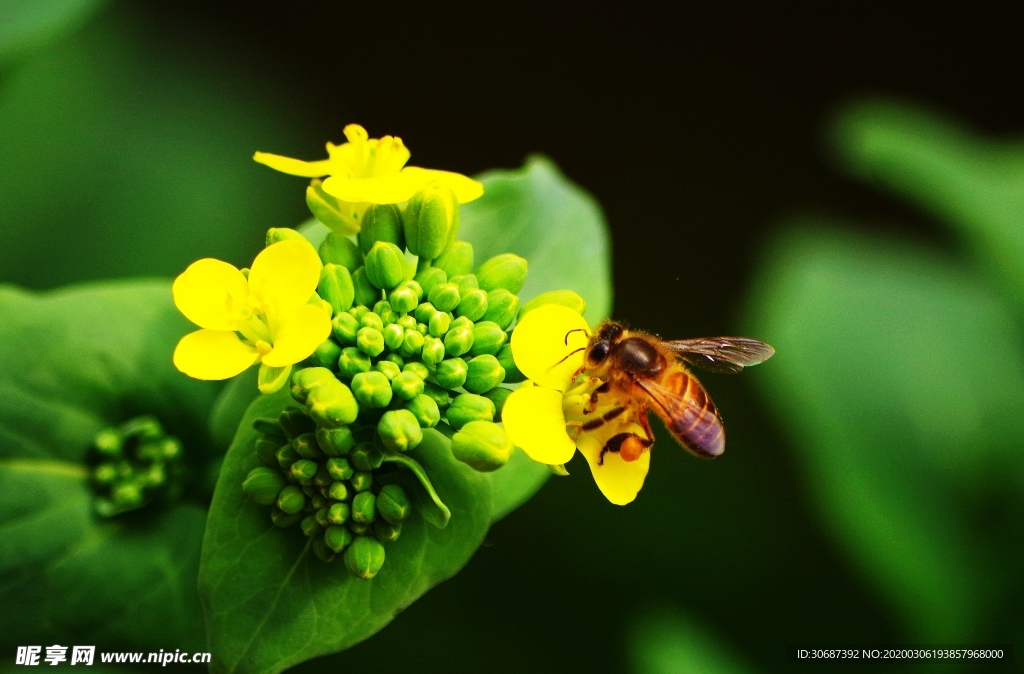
439,324
482,445
385,265
444,297
332,404
456,259
109,442
337,249
339,468
431,220
451,373
407,322
395,358
364,556
364,507
306,446
339,513
483,374
465,283
359,528
502,306
370,341
506,271
310,526
282,519
440,395
327,209
361,480
336,287
430,277
433,350
337,491
469,407
423,312
366,457
512,373
422,328
263,485
566,298
394,334
279,234
488,338
366,293
412,343
405,297
387,368
286,456
359,311
399,430
372,389
425,410
458,341
352,362
291,500
327,354
381,222
418,369
461,322
322,479
321,550
335,441
473,305
266,450
294,422
407,385
304,471
344,327
371,320
337,538
318,500
386,533
385,312
393,504
321,518
498,396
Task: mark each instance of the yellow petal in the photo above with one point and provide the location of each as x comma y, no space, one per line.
210,293
466,189
295,167
284,275
213,354
618,480
539,343
533,419
299,333
385,189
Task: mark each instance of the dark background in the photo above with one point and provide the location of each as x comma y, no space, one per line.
698,131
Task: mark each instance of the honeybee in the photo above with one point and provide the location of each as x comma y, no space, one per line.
642,373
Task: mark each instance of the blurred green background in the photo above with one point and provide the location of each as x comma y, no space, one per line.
769,171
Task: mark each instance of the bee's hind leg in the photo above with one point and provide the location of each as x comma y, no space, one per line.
629,446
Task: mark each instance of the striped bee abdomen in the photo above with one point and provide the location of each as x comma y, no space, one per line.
693,417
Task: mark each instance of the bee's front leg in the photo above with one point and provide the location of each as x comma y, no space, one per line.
593,402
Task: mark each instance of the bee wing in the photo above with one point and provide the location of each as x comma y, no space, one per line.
688,413
727,355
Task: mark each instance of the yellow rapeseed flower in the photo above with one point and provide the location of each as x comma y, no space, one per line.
545,416
266,318
367,171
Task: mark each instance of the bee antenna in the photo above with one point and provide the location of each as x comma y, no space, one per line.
572,331
582,348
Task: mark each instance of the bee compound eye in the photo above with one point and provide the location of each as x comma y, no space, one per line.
599,352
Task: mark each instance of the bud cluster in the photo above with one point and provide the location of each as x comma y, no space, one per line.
419,340
134,464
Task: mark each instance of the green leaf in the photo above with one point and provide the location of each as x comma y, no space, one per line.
536,212
28,24
72,363
670,643
970,182
270,603
901,378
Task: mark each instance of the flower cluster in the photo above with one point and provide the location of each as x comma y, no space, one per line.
134,464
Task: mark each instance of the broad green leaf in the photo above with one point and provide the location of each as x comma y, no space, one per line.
669,643
536,212
972,183
71,363
901,379
270,603
28,24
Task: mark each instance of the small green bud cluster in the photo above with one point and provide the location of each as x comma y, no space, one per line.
418,339
134,464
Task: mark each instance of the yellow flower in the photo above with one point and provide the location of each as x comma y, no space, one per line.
546,416
266,318
367,171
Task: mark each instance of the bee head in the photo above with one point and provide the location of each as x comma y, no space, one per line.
602,342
